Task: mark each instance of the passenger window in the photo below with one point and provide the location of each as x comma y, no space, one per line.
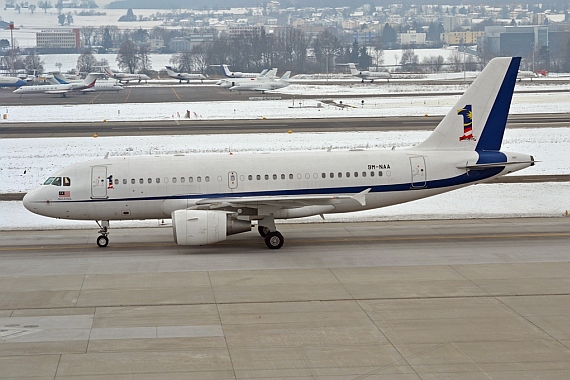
266,177
250,177
207,179
282,176
379,174
124,181
56,181
274,176
165,179
141,181
150,180
49,180
356,174
198,179
324,175
66,181
339,175
364,174
158,180
347,174
332,175
299,176
116,181
190,179
371,174
290,176
132,181
258,177
173,179
182,179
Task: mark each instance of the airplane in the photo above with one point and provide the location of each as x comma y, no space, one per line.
125,77
61,89
368,75
211,196
239,74
184,76
100,85
262,84
11,82
526,74
231,82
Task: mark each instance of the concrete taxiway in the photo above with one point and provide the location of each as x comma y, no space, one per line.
469,299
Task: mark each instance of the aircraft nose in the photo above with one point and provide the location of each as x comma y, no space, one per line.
30,201
21,82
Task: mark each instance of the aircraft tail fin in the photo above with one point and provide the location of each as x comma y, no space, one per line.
286,76
263,73
226,71
169,70
90,80
353,69
478,119
61,80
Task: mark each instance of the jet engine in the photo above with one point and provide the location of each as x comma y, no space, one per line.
200,227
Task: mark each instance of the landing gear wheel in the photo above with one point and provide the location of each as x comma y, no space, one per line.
274,240
102,241
263,231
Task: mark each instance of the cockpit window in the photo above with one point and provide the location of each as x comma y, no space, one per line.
66,181
56,181
49,180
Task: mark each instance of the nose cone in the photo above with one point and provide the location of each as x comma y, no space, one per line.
32,202
20,83
27,201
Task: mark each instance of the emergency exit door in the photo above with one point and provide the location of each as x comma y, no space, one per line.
418,166
98,182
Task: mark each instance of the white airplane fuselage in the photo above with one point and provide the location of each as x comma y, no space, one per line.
153,187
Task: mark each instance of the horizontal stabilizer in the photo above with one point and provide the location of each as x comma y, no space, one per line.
494,165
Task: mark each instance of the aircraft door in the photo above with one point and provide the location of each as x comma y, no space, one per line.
418,166
232,180
98,182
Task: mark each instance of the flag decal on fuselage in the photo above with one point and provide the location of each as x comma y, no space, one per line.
467,114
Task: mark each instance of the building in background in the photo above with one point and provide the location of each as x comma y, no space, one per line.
59,40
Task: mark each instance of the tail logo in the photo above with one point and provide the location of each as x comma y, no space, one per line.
467,114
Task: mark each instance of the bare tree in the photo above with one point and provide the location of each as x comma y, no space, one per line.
433,63
33,63
455,60
45,5
144,62
86,62
88,35
128,57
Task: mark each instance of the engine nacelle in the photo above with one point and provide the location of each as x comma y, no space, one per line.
200,227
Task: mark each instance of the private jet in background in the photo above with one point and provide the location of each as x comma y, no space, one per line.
11,82
238,74
210,196
262,84
368,75
60,89
125,77
184,76
231,82
100,84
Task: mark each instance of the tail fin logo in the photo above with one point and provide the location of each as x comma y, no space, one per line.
467,114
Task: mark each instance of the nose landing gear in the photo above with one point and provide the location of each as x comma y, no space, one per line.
103,240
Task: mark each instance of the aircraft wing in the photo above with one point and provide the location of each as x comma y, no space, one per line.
280,201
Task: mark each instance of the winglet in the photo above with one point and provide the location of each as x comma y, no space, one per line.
361,197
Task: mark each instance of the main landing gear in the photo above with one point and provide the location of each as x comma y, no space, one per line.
103,240
267,230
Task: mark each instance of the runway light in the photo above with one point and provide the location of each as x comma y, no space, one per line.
289,131
95,135
104,120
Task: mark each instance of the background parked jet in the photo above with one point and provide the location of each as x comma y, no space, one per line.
100,84
11,82
238,74
61,89
125,77
368,75
184,76
231,82
263,84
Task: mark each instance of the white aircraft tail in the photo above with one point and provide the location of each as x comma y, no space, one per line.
286,76
263,73
90,80
353,69
271,73
169,70
478,119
